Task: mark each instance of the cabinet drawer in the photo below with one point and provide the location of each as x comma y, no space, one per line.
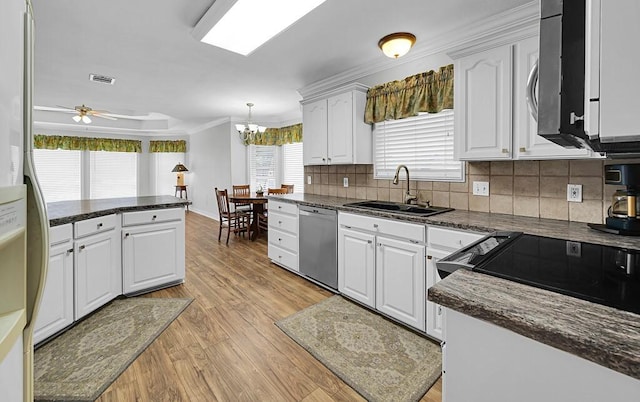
95,225
283,207
283,222
449,239
152,216
60,234
283,239
283,257
387,227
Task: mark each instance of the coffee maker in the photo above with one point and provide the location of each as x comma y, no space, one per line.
624,213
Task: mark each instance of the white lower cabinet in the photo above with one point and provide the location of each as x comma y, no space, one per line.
381,263
283,234
400,286
441,242
56,305
98,272
357,265
153,250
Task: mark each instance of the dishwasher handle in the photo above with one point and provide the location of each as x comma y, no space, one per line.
320,212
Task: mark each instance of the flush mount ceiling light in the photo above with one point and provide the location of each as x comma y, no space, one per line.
397,44
249,130
242,26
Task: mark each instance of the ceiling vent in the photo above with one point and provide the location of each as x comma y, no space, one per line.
102,79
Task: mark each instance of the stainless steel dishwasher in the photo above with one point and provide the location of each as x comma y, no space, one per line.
319,245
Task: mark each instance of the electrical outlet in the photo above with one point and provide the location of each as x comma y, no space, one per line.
481,188
345,182
574,192
574,249
309,179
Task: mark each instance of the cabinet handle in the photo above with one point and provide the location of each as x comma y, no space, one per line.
439,310
413,241
329,159
279,239
505,151
279,206
279,222
99,225
375,225
154,217
70,251
346,227
380,245
324,160
429,257
523,149
369,242
81,247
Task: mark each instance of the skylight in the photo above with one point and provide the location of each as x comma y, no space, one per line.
250,23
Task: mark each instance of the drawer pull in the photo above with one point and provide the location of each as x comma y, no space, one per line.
99,225
279,239
154,217
70,251
279,222
126,235
375,225
369,242
279,206
429,257
81,247
413,241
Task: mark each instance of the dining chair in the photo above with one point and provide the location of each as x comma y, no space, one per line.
236,221
289,188
242,190
272,191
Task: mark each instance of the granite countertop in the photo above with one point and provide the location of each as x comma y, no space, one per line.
63,212
601,334
479,221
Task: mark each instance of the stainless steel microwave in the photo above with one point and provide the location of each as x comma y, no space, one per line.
584,91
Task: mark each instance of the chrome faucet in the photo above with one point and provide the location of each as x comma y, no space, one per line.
408,197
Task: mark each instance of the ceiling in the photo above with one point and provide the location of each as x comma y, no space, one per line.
169,82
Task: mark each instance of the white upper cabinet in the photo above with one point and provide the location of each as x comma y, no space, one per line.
492,120
334,128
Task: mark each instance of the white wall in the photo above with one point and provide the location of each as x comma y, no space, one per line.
212,154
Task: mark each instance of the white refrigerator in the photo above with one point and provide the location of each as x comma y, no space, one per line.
23,219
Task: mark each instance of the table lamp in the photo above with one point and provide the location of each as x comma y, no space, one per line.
180,168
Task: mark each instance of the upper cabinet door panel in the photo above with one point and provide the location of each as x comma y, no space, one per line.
314,120
340,128
483,105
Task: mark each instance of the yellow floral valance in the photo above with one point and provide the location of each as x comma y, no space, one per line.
168,146
85,143
278,136
425,92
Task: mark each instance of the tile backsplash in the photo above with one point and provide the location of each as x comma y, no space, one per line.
525,188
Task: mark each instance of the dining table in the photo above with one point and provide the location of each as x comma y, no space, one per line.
258,203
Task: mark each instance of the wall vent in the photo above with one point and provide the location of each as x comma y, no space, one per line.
102,79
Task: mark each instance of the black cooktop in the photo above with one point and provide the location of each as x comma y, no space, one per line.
600,274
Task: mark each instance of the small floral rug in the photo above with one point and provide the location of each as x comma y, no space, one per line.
379,359
82,362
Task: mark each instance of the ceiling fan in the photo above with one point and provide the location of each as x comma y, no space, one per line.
83,113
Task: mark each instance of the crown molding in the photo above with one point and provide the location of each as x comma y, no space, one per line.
515,24
207,125
327,92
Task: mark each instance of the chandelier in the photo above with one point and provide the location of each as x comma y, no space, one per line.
249,130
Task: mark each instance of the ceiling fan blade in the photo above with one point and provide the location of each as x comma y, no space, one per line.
103,116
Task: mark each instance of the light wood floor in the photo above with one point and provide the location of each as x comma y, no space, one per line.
225,345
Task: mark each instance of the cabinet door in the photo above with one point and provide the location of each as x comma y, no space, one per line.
314,120
56,305
483,105
340,128
356,265
152,256
400,281
434,311
528,144
98,272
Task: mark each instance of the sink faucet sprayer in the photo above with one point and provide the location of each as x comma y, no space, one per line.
408,197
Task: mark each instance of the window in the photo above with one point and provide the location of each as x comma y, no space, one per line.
73,175
164,178
424,143
292,168
58,173
262,166
113,174
271,165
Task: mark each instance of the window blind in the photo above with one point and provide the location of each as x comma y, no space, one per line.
59,174
424,143
262,166
164,178
113,174
293,169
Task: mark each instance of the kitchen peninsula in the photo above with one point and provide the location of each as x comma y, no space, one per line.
101,249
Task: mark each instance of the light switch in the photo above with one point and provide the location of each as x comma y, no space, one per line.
345,182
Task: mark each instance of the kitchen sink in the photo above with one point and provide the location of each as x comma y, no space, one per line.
397,207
